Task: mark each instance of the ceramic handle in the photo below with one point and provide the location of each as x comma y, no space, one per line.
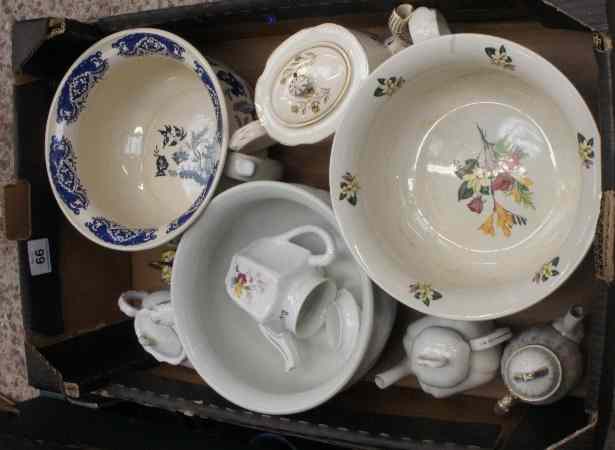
398,26
426,23
323,259
491,340
251,138
244,167
283,343
125,305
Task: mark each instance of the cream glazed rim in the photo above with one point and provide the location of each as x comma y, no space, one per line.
96,62
348,184
305,126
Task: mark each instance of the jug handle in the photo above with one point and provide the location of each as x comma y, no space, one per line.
492,339
398,26
322,259
125,299
251,138
283,343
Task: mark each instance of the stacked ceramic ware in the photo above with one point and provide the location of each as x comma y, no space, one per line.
464,181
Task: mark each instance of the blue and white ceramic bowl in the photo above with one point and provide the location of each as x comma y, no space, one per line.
137,136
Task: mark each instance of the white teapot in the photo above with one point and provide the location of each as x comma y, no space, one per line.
448,356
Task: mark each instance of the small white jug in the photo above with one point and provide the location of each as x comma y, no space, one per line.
154,324
283,287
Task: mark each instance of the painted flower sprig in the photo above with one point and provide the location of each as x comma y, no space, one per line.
496,169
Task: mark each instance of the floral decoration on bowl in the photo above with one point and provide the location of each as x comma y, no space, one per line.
495,170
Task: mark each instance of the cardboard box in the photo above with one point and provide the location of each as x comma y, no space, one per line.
80,346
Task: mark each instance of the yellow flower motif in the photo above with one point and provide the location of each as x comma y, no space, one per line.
476,179
547,271
487,226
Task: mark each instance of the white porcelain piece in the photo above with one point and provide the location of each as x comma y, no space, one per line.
282,285
385,311
154,324
426,23
448,356
544,363
224,343
343,322
483,200
309,79
137,134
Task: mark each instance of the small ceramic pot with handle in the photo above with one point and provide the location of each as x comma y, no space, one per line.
543,364
307,82
283,287
448,356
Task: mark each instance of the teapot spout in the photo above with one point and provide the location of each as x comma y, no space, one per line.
393,375
571,325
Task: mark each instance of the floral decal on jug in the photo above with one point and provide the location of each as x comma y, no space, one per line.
244,284
586,150
495,169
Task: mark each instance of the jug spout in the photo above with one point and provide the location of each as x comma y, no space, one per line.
571,325
285,344
393,375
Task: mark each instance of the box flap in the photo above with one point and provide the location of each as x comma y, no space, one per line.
17,211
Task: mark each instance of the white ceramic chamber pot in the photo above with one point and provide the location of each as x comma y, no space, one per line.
136,138
448,356
484,200
224,343
283,287
309,79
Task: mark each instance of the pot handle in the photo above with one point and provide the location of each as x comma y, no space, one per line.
124,302
242,167
492,339
251,138
398,26
323,259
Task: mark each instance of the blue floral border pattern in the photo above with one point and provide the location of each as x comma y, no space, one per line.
147,44
206,79
77,87
63,168
114,233
197,203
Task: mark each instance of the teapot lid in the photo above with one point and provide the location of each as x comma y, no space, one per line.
301,92
533,373
440,357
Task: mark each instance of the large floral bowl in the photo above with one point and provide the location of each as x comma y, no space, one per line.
466,177
136,138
